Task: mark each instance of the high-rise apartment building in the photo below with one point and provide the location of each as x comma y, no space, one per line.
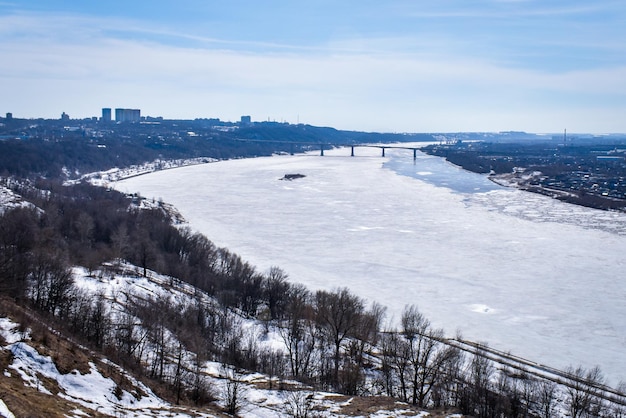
127,115
106,114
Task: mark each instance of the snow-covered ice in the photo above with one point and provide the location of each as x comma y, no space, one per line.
522,272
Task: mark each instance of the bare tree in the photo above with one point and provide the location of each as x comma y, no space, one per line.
120,242
299,404
272,363
338,314
18,234
233,393
426,355
298,331
446,384
528,392
367,332
275,290
618,407
581,390
200,392
179,372
547,398
477,395
396,364
99,322
51,281
83,226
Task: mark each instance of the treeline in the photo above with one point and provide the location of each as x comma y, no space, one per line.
73,155
332,339
51,149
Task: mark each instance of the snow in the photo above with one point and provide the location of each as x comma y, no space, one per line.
91,390
4,411
522,272
8,331
103,178
10,200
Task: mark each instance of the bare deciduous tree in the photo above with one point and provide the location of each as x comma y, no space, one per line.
426,354
299,404
582,399
547,398
233,393
51,281
275,290
298,331
338,314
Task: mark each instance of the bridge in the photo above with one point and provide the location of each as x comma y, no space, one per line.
382,147
327,146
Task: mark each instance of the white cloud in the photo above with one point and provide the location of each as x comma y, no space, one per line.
73,64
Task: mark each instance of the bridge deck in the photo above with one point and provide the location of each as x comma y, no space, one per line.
323,146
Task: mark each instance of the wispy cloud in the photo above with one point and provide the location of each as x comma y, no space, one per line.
503,9
385,81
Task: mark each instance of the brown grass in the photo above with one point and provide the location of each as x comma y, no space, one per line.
365,406
27,402
66,355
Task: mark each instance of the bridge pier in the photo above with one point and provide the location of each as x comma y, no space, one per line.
414,153
383,148
352,151
321,150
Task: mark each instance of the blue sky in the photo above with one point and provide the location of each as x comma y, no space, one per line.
393,66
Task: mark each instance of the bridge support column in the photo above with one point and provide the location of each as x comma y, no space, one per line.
383,148
352,151
321,150
415,153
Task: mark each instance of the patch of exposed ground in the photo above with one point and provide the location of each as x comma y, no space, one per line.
366,406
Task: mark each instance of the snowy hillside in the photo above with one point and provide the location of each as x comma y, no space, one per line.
96,389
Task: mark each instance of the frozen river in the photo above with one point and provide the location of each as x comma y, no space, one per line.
522,272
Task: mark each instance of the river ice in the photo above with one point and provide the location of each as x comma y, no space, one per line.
521,272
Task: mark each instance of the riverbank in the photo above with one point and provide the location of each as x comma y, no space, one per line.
528,183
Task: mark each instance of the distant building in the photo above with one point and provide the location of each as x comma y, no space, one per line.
609,158
135,115
65,116
127,115
246,120
106,114
9,116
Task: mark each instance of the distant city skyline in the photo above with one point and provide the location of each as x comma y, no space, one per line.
395,66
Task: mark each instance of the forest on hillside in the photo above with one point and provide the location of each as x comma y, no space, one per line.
53,149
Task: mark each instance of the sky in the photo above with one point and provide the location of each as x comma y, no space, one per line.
392,66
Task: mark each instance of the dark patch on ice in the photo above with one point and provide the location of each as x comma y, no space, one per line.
292,177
